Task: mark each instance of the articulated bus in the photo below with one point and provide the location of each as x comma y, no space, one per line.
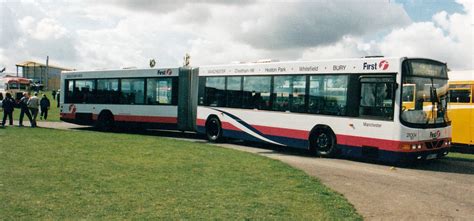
351,107
13,85
461,107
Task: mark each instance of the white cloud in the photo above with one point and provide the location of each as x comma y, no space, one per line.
119,33
348,47
448,38
300,24
46,28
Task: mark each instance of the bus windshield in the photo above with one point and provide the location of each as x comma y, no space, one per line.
424,93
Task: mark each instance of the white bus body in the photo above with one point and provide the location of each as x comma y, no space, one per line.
349,107
374,137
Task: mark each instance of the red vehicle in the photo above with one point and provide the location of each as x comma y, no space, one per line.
14,85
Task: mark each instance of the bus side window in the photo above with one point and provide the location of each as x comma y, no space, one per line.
256,92
215,92
376,98
459,96
328,94
234,92
282,88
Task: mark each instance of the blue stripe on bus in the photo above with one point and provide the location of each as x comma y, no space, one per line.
240,121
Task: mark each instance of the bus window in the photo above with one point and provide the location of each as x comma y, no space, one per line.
160,91
132,91
234,92
377,96
215,91
281,93
459,96
328,94
289,93
107,91
13,86
256,93
68,95
84,91
298,101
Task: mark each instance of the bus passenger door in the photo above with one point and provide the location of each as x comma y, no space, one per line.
377,96
187,98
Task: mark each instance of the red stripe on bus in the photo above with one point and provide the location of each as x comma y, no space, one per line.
225,125
392,145
283,132
201,122
229,126
146,119
68,115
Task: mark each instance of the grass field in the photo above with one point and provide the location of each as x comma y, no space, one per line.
461,156
58,174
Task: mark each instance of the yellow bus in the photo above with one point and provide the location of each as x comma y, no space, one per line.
461,107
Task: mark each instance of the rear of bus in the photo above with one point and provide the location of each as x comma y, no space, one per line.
425,127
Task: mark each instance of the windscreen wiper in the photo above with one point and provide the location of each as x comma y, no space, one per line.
434,100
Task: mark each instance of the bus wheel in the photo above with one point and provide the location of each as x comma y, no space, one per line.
214,129
323,142
105,121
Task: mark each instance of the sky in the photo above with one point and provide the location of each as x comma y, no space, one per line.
107,34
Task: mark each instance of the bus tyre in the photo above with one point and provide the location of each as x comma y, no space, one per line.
323,142
105,121
214,129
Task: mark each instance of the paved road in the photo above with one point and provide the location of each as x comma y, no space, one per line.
437,190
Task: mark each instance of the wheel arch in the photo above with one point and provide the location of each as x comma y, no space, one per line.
105,112
213,116
320,127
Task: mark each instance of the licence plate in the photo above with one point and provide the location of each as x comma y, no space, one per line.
432,156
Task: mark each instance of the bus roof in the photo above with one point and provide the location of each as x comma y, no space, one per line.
120,73
336,66
467,75
11,79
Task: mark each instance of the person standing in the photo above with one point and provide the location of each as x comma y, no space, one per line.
24,109
54,94
33,105
8,105
44,104
58,97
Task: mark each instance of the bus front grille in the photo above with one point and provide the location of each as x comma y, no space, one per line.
434,144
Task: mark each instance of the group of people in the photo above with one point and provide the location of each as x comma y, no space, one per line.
29,106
